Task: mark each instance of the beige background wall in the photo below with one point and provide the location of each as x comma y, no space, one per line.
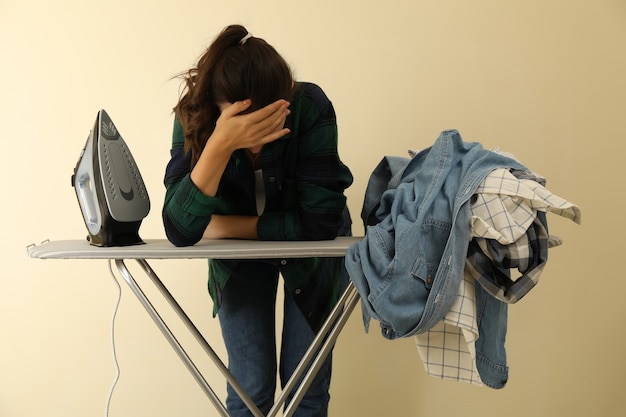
542,79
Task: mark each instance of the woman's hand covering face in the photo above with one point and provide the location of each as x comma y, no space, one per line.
251,130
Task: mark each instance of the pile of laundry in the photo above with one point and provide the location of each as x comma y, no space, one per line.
445,228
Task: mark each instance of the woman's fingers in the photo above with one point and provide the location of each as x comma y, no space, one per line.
235,108
274,123
276,108
257,128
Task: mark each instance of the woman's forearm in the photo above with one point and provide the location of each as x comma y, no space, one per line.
207,172
232,227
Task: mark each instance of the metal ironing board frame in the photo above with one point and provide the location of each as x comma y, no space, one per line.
222,249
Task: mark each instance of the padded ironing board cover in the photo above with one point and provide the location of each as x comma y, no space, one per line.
217,249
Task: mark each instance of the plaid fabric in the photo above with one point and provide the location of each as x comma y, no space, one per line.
304,191
304,180
490,262
509,230
448,349
506,203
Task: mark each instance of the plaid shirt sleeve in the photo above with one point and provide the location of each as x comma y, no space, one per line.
186,211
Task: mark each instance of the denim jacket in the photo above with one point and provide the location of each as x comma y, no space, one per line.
409,265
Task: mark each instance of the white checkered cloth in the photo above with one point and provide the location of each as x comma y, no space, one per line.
447,350
503,208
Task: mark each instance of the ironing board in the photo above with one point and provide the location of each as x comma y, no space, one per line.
221,249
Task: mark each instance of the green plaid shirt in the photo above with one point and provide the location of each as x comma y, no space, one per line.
304,183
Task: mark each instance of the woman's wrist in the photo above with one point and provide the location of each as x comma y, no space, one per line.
207,172
232,227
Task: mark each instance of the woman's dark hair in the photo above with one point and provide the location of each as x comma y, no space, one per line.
230,70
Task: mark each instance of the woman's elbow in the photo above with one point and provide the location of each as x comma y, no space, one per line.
175,236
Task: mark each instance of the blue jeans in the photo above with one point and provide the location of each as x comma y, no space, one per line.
247,318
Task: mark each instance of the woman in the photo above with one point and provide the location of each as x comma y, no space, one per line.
254,156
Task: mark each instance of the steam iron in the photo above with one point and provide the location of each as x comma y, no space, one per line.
110,191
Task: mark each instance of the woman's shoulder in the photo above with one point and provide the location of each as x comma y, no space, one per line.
313,95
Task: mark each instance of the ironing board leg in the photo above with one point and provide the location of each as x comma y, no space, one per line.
316,353
313,358
176,345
